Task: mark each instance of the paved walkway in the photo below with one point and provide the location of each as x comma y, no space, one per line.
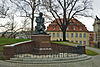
86,63
96,59
94,62
94,49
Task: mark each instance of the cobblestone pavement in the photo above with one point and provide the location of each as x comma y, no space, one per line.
96,59
87,63
94,62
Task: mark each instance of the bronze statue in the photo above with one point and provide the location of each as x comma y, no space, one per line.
97,18
40,28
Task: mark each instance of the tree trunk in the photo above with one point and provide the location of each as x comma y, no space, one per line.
32,19
64,35
32,25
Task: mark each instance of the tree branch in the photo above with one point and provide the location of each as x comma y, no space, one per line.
56,19
58,16
72,9
60,3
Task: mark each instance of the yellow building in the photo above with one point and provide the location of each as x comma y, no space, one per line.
76,32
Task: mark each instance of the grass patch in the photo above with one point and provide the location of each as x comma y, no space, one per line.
8,41
64,43
91,53
74,43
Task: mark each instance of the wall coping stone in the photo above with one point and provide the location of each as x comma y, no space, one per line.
12,45
40,35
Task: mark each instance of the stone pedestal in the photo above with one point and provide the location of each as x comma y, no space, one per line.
43,44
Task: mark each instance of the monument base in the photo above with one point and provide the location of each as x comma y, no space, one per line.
43,45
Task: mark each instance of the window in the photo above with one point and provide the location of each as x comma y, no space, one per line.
76,34
72,35
91,38
76,41
72,41
57,34
67,28
53,34
84,35
53,27
80,42
74,28
84,42
80,35
50,34
80,28
67,35
61,34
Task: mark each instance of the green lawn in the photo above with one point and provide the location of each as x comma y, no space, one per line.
8,41
91,53
63,42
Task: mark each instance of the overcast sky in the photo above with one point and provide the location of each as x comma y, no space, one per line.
96,6
89,21
96,11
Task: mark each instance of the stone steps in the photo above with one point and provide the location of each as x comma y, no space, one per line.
49,60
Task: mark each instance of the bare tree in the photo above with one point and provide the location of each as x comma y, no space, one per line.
8,11
67,10
11,28
3,9
27,8
8,27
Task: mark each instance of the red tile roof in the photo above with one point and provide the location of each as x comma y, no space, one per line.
74,23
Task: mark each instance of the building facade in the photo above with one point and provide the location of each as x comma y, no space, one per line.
91,38
76,32
96,26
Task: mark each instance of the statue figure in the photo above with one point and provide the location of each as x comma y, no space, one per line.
97,18
40,28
